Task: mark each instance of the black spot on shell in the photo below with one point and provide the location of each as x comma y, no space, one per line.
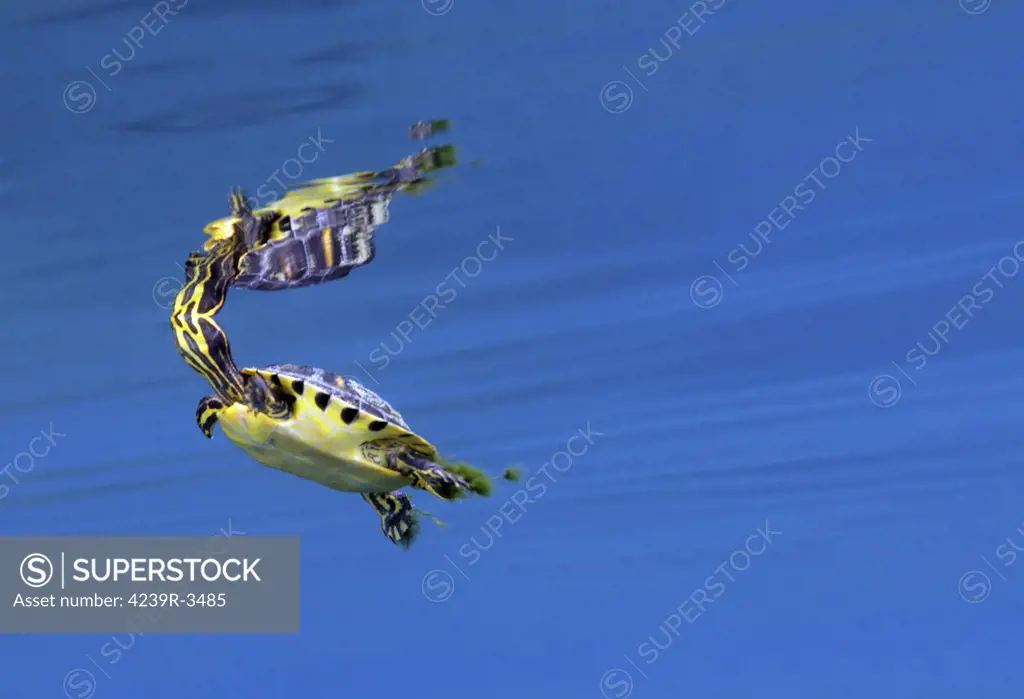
298,386
275,379
349,415
322,400
377,425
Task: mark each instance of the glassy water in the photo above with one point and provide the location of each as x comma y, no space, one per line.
765,258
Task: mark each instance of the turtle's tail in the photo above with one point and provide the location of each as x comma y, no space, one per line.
398,519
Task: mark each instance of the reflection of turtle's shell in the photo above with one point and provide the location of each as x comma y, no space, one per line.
321,229
314,244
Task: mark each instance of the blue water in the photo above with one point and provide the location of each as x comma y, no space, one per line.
717,407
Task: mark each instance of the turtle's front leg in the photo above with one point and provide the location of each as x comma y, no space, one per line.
207,414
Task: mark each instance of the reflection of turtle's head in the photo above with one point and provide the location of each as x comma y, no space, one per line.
221,229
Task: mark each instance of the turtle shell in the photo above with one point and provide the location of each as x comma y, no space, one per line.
338,432
344,389
344,400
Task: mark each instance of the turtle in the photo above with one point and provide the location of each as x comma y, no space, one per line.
320,230
307,421
341,434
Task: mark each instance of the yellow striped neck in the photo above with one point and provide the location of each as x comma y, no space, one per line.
201,342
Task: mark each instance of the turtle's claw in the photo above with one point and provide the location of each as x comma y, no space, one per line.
207,414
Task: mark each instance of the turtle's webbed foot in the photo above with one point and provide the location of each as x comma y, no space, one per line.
207,413
436,158
427,475
398,519
425,129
